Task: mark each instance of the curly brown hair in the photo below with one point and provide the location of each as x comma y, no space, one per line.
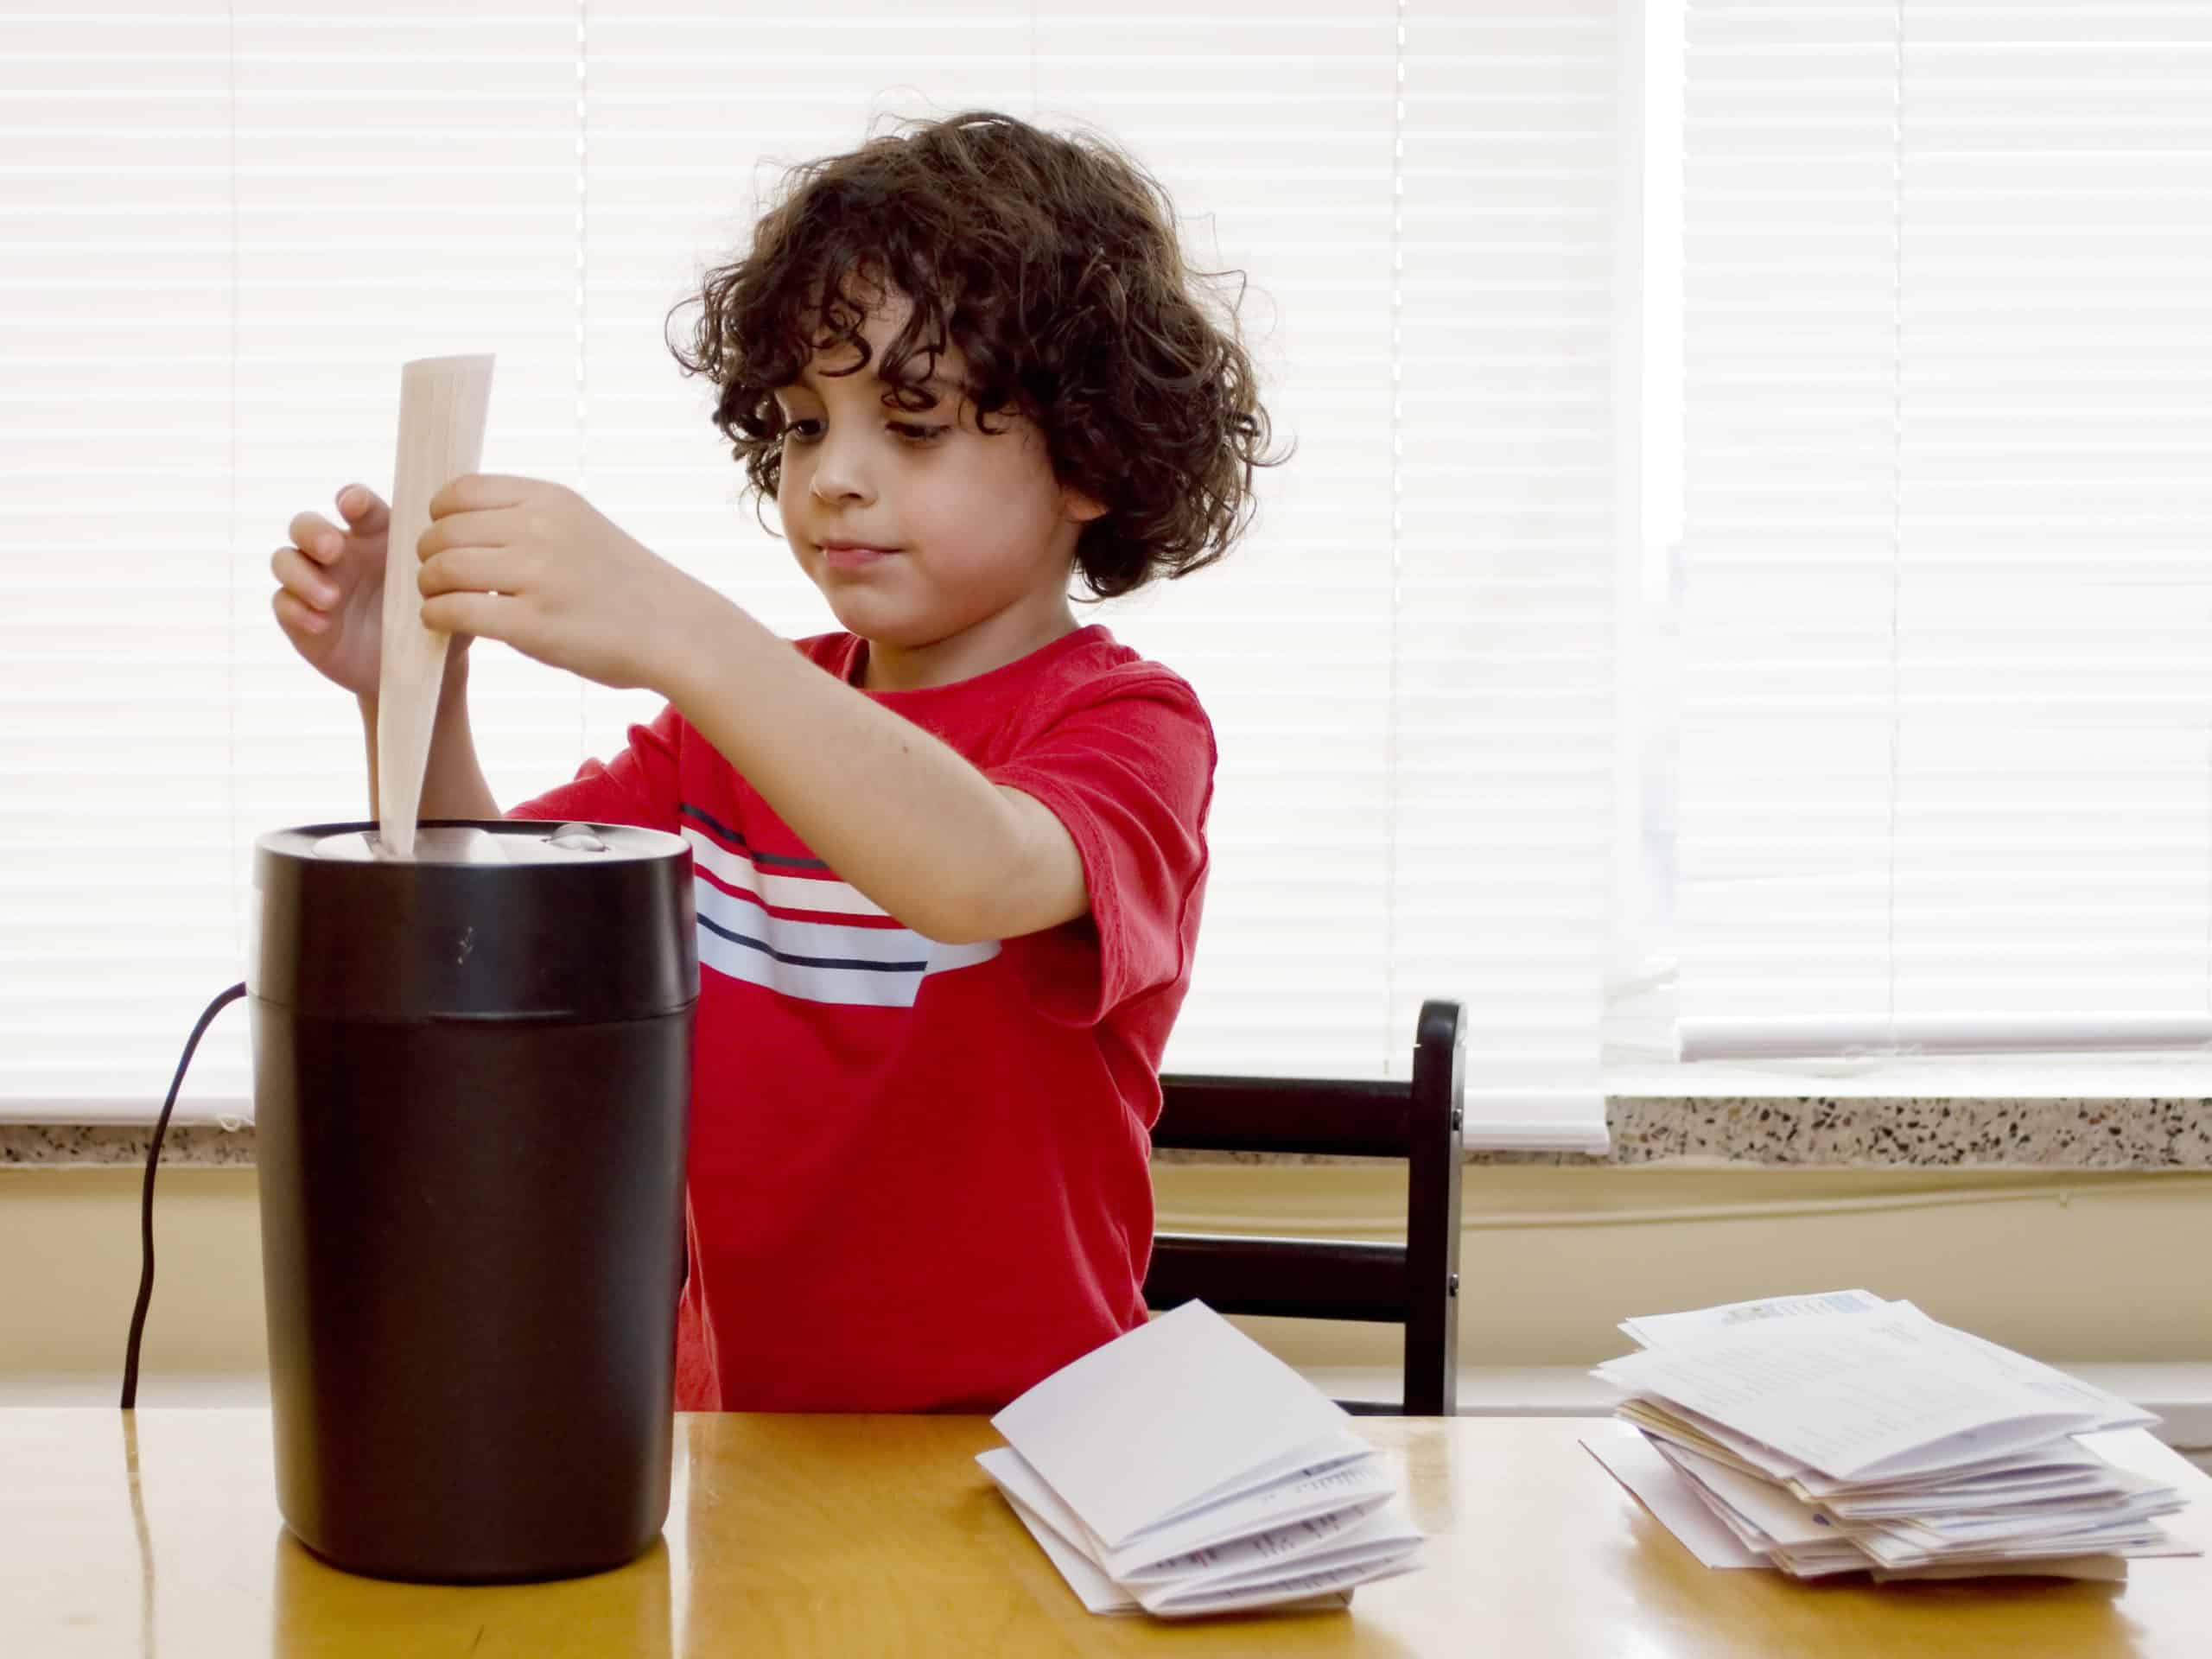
1052,262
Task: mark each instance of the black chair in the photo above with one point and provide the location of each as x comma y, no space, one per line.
1416,1283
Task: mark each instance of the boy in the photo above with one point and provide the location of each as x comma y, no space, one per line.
949,862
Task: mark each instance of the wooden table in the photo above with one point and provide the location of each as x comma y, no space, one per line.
847,1537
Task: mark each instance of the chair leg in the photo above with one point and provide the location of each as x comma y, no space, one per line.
1433,1177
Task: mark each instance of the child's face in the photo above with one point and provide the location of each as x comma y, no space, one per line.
976,537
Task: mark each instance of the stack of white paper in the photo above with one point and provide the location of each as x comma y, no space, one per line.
1184,1470
1838,1433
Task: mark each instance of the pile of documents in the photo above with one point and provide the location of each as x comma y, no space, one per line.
1840,1433
1183,1470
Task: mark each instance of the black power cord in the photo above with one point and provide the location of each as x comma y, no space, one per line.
146,1201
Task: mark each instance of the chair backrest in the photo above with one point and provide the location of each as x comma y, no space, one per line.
1415,1284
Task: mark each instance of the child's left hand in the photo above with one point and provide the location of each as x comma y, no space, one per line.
537,565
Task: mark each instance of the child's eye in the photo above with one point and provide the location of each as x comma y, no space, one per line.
809,431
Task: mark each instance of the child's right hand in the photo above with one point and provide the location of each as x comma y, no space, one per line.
329,599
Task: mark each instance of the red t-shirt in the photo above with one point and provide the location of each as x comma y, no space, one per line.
919,1172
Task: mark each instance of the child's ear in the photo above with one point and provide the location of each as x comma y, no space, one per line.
1079,508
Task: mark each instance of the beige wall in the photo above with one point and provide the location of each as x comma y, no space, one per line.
2090,1268
69,1241
2099,1267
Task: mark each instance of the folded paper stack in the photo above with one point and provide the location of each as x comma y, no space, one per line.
1840,1433
1183,1470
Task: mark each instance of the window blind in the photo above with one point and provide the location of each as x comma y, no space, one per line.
1946,757
233,227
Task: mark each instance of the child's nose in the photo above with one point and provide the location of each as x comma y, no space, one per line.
840,472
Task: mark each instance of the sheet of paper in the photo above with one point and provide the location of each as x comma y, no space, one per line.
1184,1405
2141,1452
2113,1411
1341,1448
1822,1563
1940,1455
1894,1552
1671,1500
2110,1567
1056,1530
1939,1500
1716,1440
1300,1591
1381,1544
1097,1593
2053,1468
1854,1395
1766,1506
1952,1532
1349,1490
1654,1330
442,403
1303,1545
1020,1485
1942,1348
2047,1455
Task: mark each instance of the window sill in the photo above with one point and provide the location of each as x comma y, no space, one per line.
1822,1131
1638,1060
1921,1077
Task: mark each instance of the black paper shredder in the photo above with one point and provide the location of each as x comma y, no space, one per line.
472,1080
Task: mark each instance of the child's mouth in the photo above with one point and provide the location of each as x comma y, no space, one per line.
853,557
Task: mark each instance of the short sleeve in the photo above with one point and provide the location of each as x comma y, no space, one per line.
1131,778
638,786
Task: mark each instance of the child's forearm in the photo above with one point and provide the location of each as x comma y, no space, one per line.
902,817
452,781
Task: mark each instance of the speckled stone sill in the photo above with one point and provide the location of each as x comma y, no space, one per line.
1646,1129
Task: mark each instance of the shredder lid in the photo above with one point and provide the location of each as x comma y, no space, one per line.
527,842
499,919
